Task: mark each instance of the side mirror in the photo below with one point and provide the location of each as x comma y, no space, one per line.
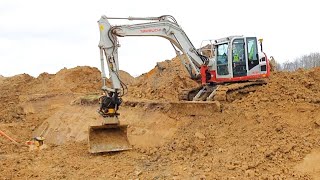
260,42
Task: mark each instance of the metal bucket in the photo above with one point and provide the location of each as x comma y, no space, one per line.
108,138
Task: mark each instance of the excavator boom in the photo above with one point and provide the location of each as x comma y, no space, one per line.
111,136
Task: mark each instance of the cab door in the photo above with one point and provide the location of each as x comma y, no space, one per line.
239,60
255,65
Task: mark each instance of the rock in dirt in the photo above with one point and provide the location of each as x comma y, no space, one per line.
199,135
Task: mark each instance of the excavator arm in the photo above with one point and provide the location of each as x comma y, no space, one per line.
163,26
111,136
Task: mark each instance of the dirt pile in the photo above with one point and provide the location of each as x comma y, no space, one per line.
270,133
11,89
126,77
1,78
164,82
18,89
80,79
291,87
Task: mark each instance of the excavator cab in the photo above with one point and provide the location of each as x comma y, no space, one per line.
237,63
238,59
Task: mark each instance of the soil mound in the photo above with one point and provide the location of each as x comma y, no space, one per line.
126,77
18,89
1,78
269,133
164,82
81,79
289,87
11,88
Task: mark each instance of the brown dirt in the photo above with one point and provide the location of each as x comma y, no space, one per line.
164,82
270,133
1,78
126,77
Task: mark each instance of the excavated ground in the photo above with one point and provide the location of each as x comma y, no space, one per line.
270,133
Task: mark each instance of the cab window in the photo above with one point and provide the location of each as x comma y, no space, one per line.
238,50
222,59
223,54
252,49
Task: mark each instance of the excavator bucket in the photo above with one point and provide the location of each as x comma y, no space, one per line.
108,138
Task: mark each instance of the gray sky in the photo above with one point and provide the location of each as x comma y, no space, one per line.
45,36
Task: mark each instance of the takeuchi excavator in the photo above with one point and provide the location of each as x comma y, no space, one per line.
222,65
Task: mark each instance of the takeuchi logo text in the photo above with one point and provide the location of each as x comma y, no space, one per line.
150,30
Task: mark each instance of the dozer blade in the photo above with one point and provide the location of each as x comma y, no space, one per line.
108,138
194,108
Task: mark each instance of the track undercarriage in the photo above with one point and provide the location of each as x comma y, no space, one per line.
219,92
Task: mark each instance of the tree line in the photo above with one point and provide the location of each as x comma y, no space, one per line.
306,62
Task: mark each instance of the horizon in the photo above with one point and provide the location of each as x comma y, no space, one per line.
133,75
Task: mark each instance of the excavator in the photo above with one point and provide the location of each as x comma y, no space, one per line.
223,65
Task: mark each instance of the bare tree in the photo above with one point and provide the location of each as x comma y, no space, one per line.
306,62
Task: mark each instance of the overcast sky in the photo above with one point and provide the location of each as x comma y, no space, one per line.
44,36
